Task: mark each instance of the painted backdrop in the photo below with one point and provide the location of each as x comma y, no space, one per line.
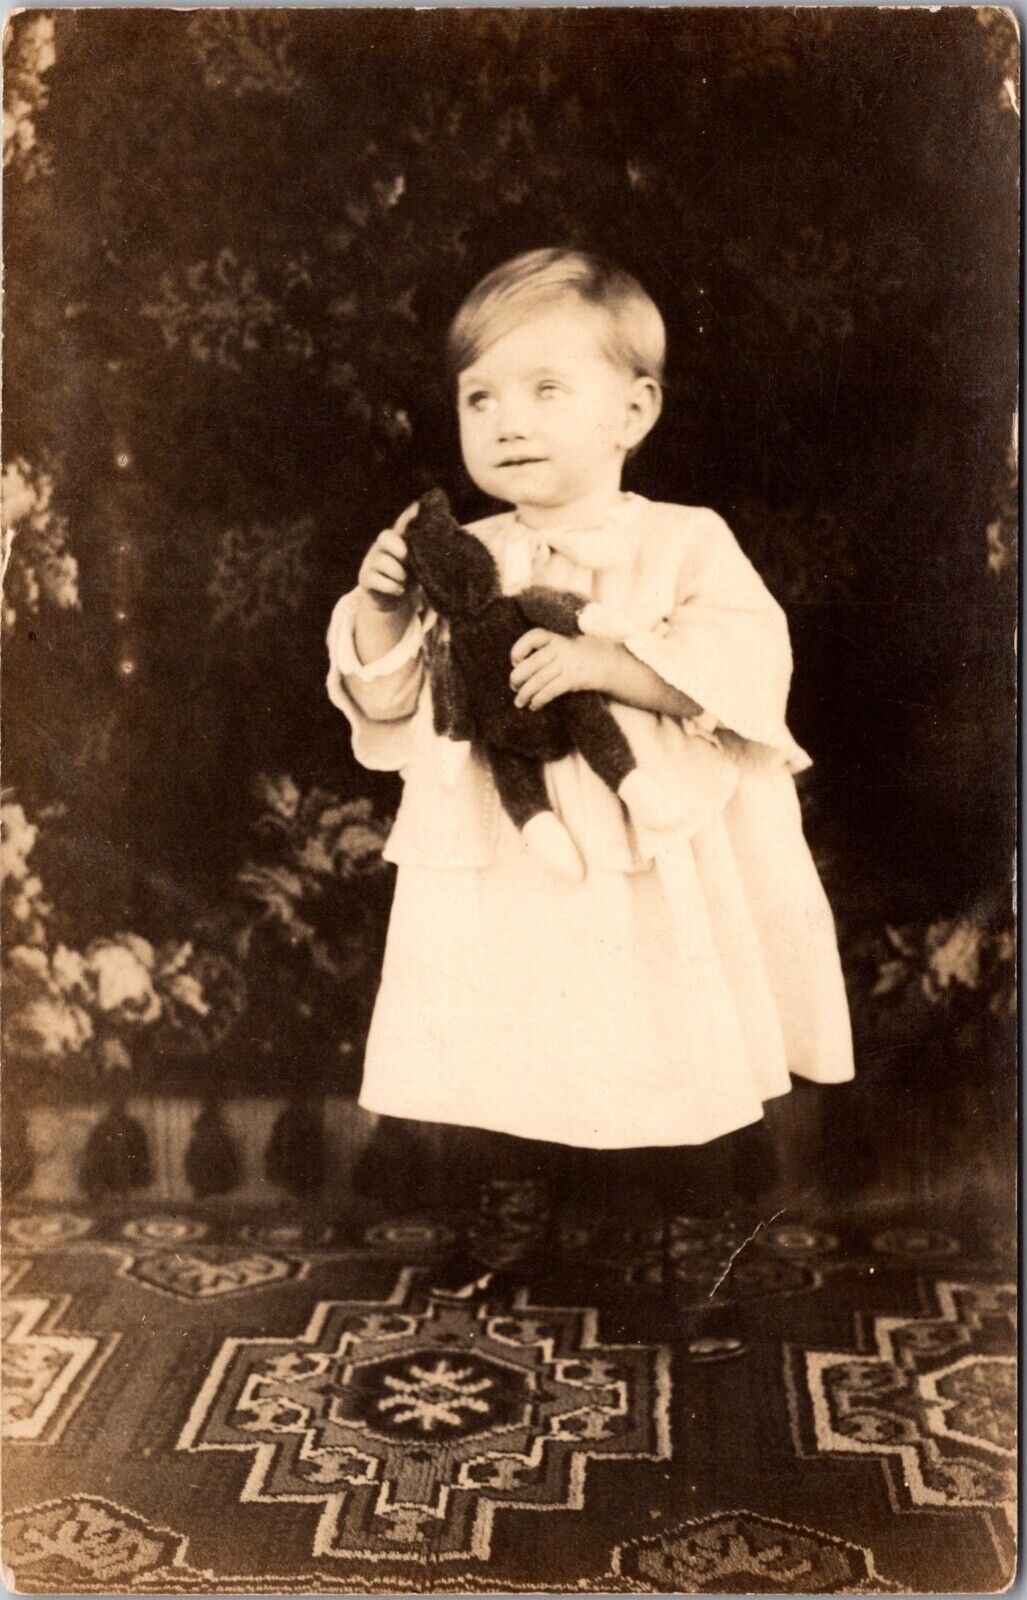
233,240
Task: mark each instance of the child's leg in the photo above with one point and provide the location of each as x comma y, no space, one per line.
394,1168
516,1226
694,1180
754,1166
707,1180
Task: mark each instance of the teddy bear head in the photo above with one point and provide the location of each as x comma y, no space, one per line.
456,572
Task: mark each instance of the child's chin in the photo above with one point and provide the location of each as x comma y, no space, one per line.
527,486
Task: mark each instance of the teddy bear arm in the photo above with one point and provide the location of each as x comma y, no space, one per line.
555,609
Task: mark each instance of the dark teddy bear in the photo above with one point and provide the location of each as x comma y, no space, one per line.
474,702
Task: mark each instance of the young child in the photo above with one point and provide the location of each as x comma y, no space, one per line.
660,1000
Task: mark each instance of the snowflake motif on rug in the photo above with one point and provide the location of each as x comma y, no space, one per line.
935,1403
436,1397
195,1277
739,1552
45,1374
412,1421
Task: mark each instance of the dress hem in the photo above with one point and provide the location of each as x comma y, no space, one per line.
526,1132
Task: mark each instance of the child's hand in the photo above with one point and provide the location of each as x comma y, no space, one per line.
383,575
547,665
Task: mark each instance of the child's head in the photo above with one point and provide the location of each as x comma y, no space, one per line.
558,359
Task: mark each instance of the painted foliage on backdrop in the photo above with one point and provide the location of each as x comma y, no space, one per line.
233,242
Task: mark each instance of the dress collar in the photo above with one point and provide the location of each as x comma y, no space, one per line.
626,504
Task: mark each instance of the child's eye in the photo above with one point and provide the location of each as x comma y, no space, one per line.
478,400
548,389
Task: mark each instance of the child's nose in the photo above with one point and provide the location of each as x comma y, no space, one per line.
511,423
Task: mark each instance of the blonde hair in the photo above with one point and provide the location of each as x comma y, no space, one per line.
539,279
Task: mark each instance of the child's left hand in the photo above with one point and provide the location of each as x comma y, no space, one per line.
547,665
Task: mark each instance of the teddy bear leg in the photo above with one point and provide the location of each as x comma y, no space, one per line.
522,789
548,839
601,741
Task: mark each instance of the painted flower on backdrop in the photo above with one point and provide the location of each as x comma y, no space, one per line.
120,971
26,907
59,1000
17,841
308,886
244,52
1004,37
28,56
38,566
279,797
259,571
223,311
965,966
325,836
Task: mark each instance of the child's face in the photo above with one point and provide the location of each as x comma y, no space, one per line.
546,416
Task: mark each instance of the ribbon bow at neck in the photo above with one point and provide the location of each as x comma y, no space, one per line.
587,547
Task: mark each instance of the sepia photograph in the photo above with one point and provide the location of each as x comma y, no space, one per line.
509,738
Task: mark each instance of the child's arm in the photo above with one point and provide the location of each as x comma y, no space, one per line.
546,665
376,653
610,668
376,632
634,683
384,604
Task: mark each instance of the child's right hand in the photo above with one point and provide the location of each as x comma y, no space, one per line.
383,575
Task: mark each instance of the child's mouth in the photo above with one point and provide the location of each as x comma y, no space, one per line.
523,461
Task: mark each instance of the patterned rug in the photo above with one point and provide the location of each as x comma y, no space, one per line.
202,1404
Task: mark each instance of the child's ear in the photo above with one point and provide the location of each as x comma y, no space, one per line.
645,402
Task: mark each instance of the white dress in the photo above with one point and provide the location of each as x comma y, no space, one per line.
669,994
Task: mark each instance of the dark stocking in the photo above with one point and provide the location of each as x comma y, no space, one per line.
515,1228
701,1180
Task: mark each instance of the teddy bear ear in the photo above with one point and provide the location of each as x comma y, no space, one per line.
434,506
463,568
455,567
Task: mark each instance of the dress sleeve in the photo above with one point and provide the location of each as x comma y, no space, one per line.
378,697
725,644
